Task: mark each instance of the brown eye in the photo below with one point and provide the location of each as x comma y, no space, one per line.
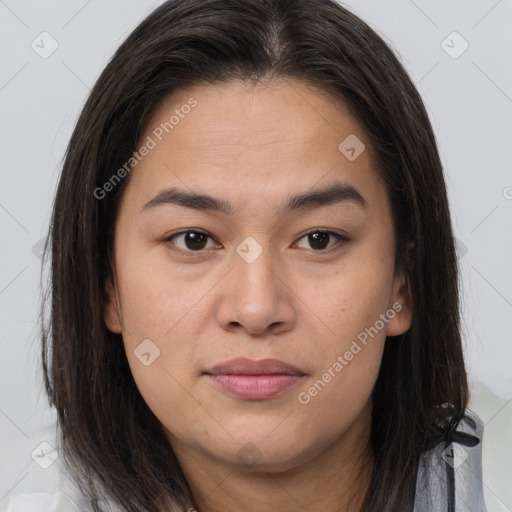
192,240
319,240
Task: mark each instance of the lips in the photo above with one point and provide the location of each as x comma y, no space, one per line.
254,380
243,366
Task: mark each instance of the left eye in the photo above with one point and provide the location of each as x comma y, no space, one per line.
320,239
195,241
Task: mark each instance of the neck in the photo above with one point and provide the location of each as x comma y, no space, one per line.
335,480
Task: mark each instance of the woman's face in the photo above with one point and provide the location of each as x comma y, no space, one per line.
263,273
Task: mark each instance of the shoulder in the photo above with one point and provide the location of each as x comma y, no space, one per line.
496,413
481,471
46,486
450,475
42,502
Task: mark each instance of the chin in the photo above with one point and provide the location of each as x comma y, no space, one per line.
262,451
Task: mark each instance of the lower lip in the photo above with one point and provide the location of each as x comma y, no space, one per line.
255,387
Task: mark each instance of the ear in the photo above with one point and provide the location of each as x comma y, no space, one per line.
111,312
401,303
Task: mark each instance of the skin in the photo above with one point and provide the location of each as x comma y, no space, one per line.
255,146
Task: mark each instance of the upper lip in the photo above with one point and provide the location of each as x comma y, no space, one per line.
244,366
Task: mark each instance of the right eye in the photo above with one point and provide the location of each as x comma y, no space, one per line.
193,240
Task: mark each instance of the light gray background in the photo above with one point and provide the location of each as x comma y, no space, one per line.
469,99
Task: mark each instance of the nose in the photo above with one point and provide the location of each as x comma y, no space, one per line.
257,294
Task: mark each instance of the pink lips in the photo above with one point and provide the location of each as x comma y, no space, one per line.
254,380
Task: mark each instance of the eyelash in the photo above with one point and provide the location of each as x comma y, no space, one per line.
341,240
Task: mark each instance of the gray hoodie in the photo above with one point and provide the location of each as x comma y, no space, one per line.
450,476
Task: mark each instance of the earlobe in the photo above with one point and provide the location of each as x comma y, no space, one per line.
401,303
111,311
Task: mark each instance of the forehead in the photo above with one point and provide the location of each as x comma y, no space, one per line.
260,140
237,117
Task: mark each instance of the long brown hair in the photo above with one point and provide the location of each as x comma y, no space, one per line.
112,443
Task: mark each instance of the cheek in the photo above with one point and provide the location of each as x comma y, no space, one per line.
156,297
342,305
338,392
351,313
158,312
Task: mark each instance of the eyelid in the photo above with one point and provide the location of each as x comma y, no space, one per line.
201,252
342,239
323,230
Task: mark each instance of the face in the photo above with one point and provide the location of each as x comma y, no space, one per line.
254,322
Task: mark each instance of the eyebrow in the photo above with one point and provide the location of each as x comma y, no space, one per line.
317,198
